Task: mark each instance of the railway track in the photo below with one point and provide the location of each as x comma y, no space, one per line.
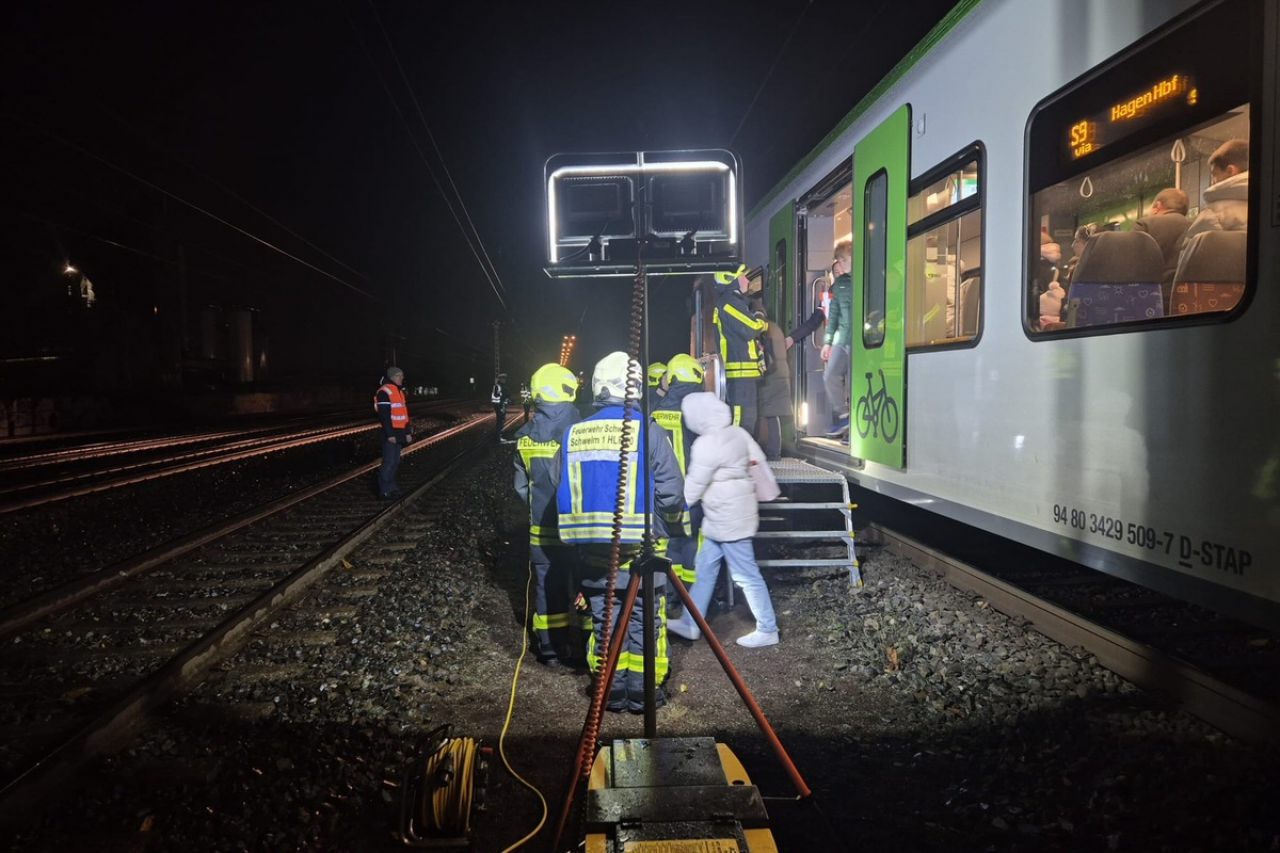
56,475
82,665
1238,712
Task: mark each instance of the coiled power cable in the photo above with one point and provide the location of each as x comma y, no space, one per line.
632,393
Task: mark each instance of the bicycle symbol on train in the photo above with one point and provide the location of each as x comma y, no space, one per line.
877,413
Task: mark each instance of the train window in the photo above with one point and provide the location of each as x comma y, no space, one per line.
944,254
874,250
1139,184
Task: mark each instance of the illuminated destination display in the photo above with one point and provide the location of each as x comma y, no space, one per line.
1090,135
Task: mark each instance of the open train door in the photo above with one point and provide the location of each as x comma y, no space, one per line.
878,377
779,284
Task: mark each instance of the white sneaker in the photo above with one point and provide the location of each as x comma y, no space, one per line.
759,639
684,627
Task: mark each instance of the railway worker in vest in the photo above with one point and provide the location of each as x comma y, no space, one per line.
392,410
683,377
499,398
739,332
536,478
586,499
836,341
653,377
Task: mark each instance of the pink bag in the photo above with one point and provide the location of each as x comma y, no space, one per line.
766,486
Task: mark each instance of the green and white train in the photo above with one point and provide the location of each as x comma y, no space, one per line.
1131,422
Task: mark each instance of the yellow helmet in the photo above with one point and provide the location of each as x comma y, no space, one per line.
655,373
684,368
554,384
731,277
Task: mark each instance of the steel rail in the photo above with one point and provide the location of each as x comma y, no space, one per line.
114,726
177,461
1222,706
16,617
104,449
257,447
101,449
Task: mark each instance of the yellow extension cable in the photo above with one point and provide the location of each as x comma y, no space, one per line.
511,707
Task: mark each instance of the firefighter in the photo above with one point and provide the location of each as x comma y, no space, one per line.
683,377
586,499
653,376
536,477
738,332
393,411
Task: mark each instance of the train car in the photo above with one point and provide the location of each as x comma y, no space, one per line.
1031,355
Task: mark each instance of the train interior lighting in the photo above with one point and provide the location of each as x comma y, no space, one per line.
944,256
828,221
1111,271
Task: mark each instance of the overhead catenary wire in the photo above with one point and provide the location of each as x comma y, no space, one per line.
425,162
149,140
431,136
769,74
192,205
150,226
62,226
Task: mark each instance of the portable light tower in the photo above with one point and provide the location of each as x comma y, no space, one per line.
635,215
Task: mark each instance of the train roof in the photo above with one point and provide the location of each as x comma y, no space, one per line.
917,53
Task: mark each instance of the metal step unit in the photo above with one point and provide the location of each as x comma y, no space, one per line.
795,478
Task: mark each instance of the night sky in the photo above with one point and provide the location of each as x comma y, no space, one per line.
281,119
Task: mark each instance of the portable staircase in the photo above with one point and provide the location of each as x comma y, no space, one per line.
812,492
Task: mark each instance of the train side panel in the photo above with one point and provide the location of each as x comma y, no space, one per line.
1149,453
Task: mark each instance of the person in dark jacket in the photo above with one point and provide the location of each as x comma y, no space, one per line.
738,334
775,387
805,328
500,398
1167,222
393,412
586,500
536,478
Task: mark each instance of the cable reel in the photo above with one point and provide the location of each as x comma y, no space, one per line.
442,790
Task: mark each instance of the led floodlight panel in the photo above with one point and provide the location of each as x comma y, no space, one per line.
683,207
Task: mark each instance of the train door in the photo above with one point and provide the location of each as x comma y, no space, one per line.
782,245
878,377
824,218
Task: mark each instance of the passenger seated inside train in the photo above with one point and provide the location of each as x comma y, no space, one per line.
1167,222
1157,234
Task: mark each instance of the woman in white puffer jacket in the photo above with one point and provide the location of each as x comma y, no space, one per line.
720,478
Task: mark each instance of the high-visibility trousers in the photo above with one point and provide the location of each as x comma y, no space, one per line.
553,594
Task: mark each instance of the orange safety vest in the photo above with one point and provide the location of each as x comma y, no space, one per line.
399,409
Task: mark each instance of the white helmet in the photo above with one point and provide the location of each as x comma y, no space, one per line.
610,377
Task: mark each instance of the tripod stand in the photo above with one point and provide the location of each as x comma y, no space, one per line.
643,570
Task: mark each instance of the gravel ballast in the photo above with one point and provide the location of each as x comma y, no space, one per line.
922,718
